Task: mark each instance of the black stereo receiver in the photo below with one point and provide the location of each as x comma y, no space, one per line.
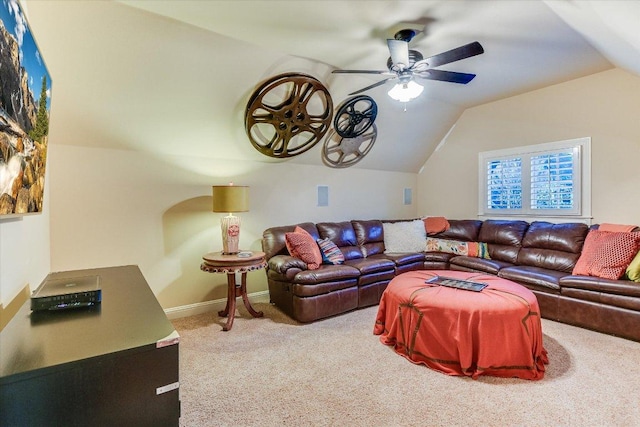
67,293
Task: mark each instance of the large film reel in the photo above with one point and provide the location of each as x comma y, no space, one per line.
339,152
288,114
355,116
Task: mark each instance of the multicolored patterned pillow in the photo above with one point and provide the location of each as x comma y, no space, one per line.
331,253
475,249
607,254
300,244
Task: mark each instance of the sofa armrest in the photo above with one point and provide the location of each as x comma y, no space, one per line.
282,263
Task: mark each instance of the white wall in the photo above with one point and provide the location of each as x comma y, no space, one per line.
116,207
604,106
24,251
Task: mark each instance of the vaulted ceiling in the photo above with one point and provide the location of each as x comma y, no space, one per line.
174,77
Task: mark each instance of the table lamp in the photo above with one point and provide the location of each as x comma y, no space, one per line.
230,198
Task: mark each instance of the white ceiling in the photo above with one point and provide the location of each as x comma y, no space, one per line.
166,71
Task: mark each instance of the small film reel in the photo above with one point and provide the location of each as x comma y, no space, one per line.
288,114
338,152
355,116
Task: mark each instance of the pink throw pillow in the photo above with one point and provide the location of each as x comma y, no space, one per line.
607,254
435,224
300,244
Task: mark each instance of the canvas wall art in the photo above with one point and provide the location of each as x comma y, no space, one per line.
25,99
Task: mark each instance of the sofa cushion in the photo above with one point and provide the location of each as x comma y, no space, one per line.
565,237
331,254
607,254
528,275
371,265
552,246
404,236
403,258
461,229
369,235
503,237
468,263
598,284
301,244
438,256
343,235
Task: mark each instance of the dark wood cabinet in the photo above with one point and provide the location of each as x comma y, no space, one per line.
114,364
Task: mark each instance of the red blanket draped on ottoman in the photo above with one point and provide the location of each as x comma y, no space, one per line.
493,332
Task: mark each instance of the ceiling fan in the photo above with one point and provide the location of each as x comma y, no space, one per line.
405,64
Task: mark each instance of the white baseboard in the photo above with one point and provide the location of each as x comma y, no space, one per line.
209,306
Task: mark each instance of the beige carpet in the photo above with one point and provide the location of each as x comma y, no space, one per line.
272,371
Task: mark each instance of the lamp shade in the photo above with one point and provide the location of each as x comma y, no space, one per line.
405,92
230,198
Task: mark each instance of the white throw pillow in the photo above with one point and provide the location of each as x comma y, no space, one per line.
404,236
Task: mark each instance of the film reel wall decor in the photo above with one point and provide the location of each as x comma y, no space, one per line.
339,152
354,132
355,116
288,114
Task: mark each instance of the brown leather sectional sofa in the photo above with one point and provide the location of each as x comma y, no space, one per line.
538,255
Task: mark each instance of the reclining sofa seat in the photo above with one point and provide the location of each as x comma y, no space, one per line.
374,273
463,230
308,295
303,294
608,306
503,241
370,237
548,253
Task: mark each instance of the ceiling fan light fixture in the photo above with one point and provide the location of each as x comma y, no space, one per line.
405,92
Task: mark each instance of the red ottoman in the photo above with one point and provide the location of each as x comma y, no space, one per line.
496,331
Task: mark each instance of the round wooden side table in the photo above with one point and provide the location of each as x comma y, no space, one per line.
217,262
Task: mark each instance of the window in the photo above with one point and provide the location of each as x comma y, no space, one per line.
543,180
553,180
504,183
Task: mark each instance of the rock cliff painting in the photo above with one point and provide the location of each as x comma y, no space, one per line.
25,96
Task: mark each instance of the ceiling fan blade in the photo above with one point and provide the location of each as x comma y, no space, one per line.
446,76
380,83
462,52
361,72
399,50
